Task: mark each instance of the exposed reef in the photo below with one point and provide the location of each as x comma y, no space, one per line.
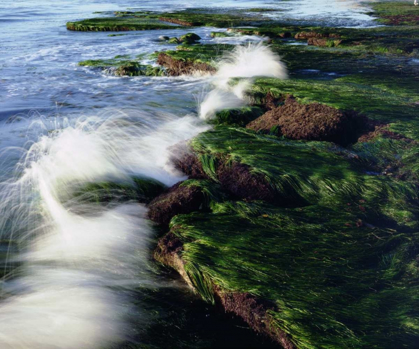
312,121
300,214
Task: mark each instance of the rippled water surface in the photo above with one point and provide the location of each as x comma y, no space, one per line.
80,275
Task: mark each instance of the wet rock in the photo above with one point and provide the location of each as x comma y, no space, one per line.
285,35
312,121
239,180
189,38
237,116
164,38
221,35
176,21
176,67
177,200
173,41
187,162
323,42
308,35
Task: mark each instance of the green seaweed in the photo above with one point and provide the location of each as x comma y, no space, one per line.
125,21
237,116
334,284
139,189
118,24
124,66
198,53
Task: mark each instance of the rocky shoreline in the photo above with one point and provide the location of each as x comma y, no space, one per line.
300,211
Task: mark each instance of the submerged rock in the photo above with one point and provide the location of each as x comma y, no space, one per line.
312,121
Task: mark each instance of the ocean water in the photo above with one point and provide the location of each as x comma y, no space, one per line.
79,275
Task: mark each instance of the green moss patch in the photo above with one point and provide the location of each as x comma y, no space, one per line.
122,66
328,278
124,21
140,189
396,13
237,116
118,24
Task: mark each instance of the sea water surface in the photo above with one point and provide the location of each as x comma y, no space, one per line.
77,275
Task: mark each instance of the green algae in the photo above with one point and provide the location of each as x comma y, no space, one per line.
198,53
334,284
125,21
237,116
396,12
379,101
301,173
189,38
221,35
123,66
338,252
118,24
139,189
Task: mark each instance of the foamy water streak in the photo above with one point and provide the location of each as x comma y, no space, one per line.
248,61
75,254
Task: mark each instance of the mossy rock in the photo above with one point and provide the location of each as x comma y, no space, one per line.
189,38
140,189
396,12
313,121
118,24
221,35
237,116
121,66
173,41
143,20
319,276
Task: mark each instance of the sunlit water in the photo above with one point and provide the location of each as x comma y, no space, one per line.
80,275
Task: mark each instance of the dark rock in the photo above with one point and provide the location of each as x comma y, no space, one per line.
323,42
312,121
239,180
189,38
176,67
177,200
308,35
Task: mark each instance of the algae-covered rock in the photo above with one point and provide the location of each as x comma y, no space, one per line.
141,189
312,121
237,116
188,59
175,67
173,41
123,66
318,271
323,42
396,13
189,38
220,35
117,24
178,200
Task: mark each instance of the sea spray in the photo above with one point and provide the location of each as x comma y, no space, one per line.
79,261
247,62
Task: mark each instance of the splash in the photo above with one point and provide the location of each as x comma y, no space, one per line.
79,259
245,62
